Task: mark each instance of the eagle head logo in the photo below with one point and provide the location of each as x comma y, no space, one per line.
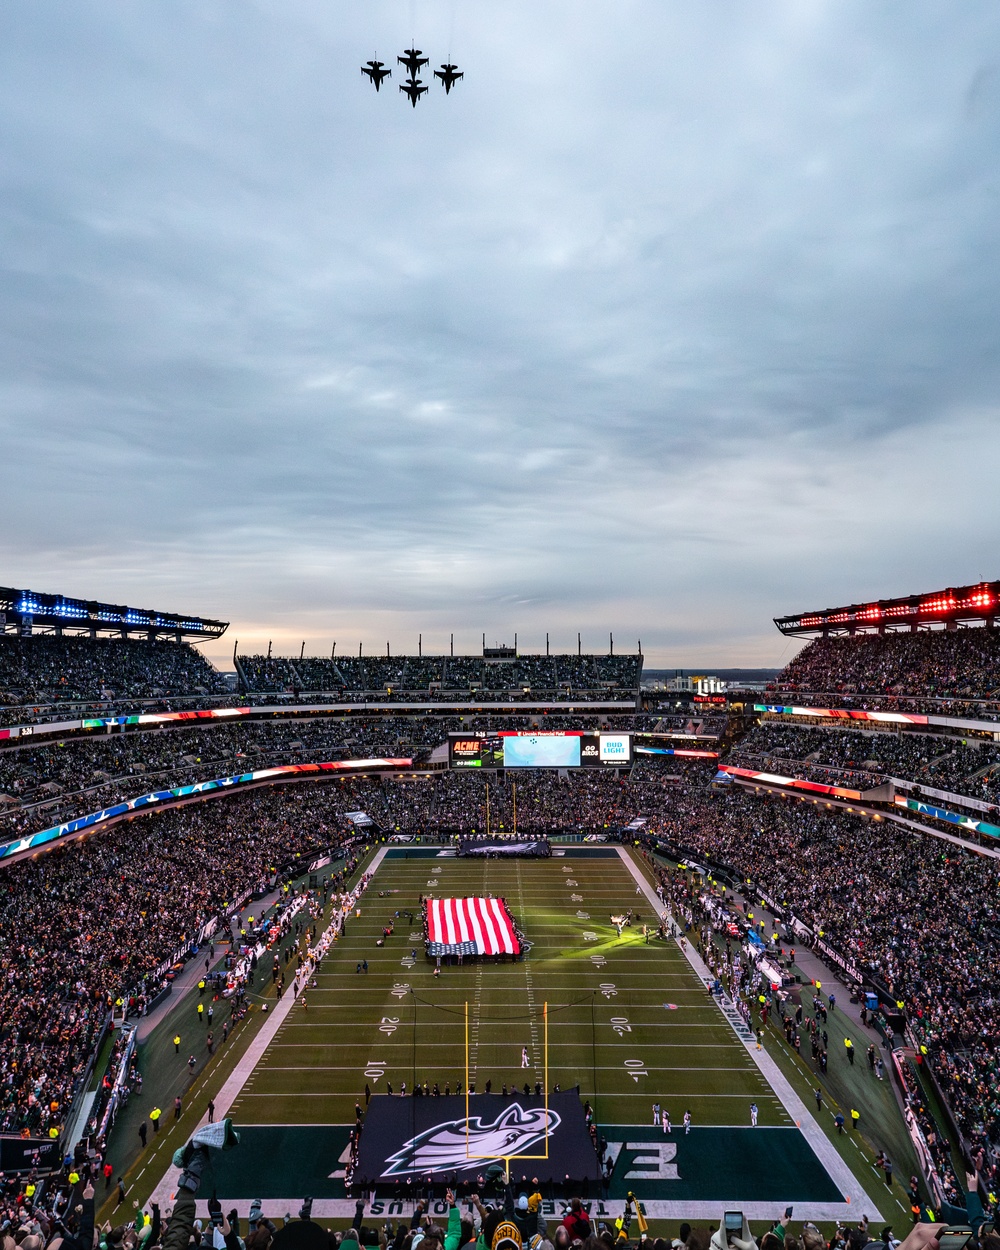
462,1145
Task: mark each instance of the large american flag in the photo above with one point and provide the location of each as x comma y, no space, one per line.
484,924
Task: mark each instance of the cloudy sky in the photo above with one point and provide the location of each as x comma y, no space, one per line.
671,318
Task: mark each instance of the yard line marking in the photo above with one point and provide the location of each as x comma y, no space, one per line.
651,977
238,1078
532,1006
688,1093
836,1167
474,1024
510,1067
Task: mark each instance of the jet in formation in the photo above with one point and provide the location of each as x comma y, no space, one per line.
412,86
413,61
376,71
449,75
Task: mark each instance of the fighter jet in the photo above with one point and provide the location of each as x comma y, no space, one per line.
413,89
376,72
413,60
449,75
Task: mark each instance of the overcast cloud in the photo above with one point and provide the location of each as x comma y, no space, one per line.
671,318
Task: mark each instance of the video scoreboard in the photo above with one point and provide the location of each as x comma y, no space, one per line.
571,748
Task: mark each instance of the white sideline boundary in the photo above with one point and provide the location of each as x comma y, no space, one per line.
242,1072
856,1199
603,1209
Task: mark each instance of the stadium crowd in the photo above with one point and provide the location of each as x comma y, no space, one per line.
435,677
948,664
546,803
915,913
500,1221
94,921
91,922
110,768
53,678
44,784
861,883
967,767
46,669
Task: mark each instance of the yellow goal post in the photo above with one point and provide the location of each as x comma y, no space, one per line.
506,1159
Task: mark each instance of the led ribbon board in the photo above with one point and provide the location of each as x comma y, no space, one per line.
44,837
952,818
843,713
793,783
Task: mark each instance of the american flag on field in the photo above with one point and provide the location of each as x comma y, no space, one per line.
467,926
441,948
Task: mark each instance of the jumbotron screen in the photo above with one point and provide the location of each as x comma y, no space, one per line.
571,748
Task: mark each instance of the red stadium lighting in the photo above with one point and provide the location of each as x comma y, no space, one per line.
939,604
964,604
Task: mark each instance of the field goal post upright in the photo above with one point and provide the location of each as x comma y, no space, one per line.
506,1159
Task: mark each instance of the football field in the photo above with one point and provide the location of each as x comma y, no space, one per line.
629,1022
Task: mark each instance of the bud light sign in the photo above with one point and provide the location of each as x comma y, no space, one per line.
615,749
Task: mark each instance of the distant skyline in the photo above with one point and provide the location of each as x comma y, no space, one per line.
666,321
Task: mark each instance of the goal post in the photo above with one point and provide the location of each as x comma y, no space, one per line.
507,1158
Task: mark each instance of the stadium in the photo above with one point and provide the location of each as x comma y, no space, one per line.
459,938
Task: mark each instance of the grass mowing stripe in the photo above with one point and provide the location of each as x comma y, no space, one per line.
607,998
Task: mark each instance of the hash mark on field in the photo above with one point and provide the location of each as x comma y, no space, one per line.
529,985
477,1001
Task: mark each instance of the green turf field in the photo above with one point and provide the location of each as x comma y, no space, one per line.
606,1007
631,1023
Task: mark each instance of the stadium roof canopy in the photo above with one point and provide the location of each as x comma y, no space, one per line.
28,612
964,605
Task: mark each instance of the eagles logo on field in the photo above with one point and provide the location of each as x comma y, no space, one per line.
461,1145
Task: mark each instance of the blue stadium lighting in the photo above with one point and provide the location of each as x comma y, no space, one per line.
48,612
66,607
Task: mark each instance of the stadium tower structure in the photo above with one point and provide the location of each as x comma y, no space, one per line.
951,608
27,612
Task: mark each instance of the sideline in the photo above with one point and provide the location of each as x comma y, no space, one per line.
855,1197
666,1209
603,1208
244,1069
